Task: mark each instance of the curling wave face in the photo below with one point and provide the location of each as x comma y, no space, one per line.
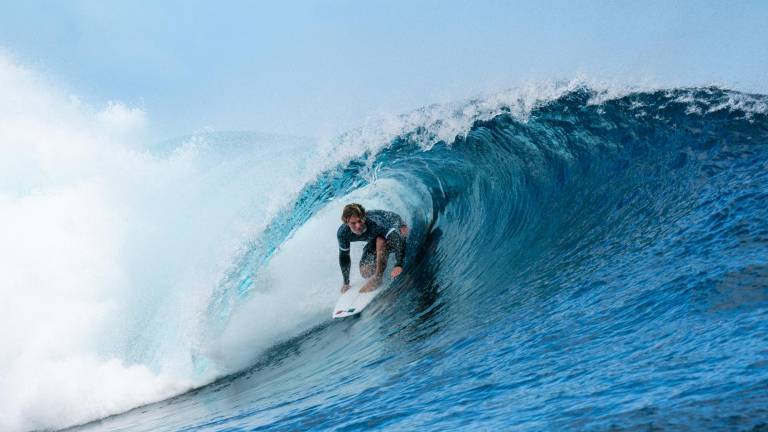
598,262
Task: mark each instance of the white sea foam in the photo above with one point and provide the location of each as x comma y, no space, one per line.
110,251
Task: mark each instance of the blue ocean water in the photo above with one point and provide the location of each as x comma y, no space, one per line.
596,265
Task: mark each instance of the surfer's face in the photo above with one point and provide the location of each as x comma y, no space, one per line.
356,224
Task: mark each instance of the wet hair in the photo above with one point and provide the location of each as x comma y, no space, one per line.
352,210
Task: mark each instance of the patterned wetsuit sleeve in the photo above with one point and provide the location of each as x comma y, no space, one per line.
345,263
344,260
394,219
400,221
398,242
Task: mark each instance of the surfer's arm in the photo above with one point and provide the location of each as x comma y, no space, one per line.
345,263
399,242
396,239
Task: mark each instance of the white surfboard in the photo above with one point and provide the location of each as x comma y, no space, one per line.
353,301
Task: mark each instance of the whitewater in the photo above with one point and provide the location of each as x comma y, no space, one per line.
582,256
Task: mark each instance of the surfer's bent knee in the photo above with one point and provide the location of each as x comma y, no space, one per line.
366,271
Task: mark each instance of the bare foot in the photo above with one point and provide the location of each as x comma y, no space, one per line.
371,285
344,288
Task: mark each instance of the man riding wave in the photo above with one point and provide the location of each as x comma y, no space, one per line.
385,232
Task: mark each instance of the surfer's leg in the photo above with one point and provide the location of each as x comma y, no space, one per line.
381,256
377,269
368,260
375,254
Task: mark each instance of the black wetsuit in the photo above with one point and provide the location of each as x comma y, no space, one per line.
378,223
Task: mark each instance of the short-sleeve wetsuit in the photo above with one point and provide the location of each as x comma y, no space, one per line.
378,223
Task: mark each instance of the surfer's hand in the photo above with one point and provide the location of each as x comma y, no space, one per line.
344,288
396,271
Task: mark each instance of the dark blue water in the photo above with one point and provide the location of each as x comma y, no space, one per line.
596,266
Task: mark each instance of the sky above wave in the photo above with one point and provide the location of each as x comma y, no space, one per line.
317,68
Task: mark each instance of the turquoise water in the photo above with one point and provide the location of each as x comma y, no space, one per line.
596,265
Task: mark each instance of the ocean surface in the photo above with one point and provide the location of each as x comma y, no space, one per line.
579,260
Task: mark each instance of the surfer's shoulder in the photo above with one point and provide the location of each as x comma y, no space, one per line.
375,214
343,231
384,218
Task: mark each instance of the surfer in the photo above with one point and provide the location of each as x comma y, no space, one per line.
385,232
